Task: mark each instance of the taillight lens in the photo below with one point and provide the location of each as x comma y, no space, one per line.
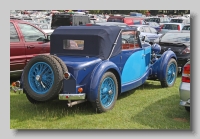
88,24
186,73
179,27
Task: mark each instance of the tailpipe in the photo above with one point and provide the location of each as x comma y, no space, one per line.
70,104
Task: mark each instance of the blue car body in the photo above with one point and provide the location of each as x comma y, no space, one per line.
101,68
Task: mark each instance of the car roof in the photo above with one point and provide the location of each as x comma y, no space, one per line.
104,38
173,23
19,20
111,23
179,31
139,25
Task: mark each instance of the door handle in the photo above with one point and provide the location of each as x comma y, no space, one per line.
30,46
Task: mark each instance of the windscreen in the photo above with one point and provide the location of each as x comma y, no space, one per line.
115,20
176,21
176,37
60,20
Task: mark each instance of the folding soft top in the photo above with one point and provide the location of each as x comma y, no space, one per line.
99,41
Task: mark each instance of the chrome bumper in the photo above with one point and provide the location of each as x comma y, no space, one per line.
72,96
185,103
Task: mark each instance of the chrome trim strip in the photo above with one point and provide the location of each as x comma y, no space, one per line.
114,44
16,71
72,96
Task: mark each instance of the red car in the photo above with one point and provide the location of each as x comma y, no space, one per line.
129,20
26,41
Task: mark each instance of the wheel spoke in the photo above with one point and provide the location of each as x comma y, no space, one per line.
107,92
41,77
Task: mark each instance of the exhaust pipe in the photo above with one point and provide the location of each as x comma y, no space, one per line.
70,104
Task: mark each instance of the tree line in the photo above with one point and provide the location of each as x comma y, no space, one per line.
152,12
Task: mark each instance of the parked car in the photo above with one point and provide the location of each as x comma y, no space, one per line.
159,20
65,19
184,88
121,25
170,26
186,27
154,25
98,70
26,41
182,20
177,41
129,20
148,31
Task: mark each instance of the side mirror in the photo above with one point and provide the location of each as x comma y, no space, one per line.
143,38
137,33
48,37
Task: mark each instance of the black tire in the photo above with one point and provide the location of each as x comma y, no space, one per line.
63,66
171,74
98,105
187,109
33,101
42,78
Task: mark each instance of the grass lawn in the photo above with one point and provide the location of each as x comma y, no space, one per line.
147,107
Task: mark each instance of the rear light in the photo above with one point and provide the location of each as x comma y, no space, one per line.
186,51
159,29
80,90
88,24
186,73
179,27
67,75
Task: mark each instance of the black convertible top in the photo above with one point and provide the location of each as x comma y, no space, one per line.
99,41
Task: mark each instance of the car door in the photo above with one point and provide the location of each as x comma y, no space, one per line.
135,62
33,40
154,32
17,49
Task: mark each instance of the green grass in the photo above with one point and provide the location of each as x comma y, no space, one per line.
147,107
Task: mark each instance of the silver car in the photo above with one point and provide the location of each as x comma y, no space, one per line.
184,88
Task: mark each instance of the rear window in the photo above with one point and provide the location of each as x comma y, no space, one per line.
176,37
154,20
115,20
170,26
176,21
73,44
60,20
186,28
136,22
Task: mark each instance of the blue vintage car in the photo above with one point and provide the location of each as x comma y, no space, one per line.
95,64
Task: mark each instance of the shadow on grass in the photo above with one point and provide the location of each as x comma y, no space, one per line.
147,85
164,114
21,109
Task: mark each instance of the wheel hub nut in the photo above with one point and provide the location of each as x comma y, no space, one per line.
37,77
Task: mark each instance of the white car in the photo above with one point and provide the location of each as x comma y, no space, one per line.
184,88
48,31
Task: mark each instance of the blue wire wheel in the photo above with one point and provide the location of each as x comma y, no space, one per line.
171,73
41,77
107,92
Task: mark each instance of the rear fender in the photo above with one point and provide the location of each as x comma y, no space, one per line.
97,74
160,66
